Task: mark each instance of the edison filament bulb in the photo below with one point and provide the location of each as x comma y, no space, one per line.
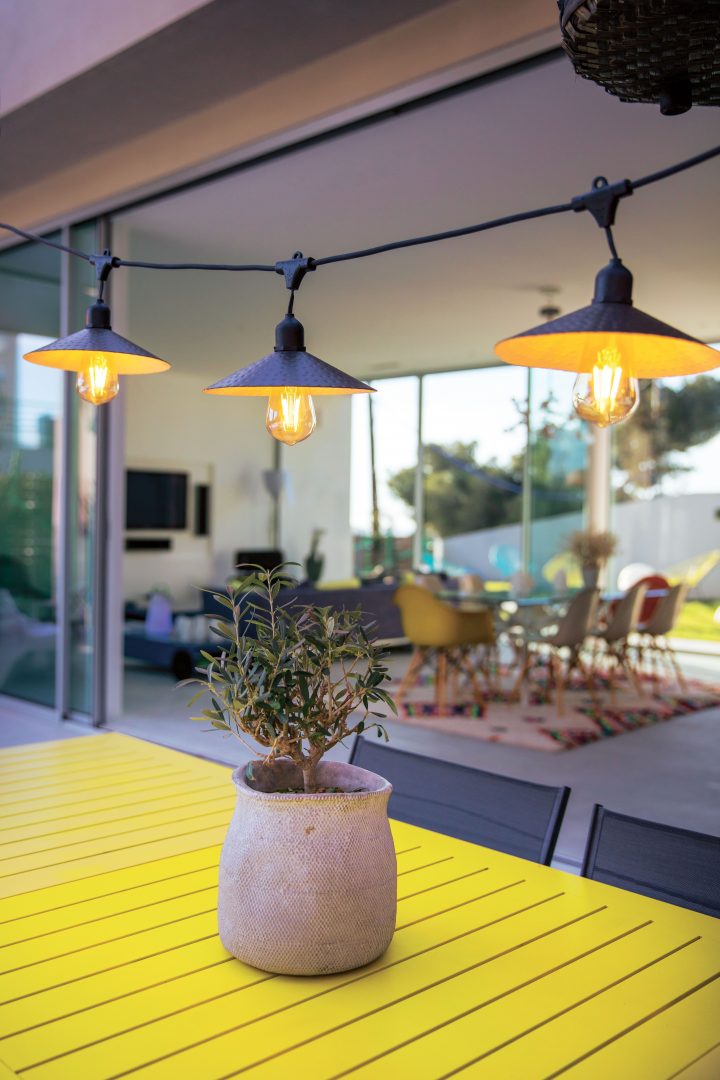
97,380
290,415
607,394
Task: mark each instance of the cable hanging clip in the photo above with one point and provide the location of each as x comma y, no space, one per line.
603,200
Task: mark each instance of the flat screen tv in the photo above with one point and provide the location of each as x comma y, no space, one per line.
156,500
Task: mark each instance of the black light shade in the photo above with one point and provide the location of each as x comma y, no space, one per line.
651,349
74,352
288,365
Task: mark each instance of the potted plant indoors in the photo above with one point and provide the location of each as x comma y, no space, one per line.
308,877
592,550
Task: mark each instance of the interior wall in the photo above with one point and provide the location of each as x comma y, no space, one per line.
317,491
171,425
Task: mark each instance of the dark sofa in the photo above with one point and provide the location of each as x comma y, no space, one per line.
374,601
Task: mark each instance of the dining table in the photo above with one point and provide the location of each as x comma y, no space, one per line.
111,965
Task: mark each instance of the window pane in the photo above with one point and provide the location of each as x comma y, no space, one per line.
385,432
666,493
558,465
30,439
474,437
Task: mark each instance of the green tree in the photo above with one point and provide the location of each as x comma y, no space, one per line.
460,495
667,423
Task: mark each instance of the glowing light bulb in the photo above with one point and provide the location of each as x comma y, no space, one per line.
290,415
608,394
97,381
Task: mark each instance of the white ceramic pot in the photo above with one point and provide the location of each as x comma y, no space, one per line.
308,883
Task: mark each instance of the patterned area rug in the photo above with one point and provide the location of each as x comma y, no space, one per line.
535,724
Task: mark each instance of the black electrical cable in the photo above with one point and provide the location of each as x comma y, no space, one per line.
195,266
671,170
48,243
415,241
611,241
433,238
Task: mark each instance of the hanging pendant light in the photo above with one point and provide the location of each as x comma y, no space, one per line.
289,376
610,344
97,353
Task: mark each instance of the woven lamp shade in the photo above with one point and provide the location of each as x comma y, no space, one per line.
650,349
665,51
289,365
73,353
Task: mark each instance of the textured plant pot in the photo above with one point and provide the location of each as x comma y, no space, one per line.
308,883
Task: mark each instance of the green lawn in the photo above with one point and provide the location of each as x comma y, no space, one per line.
696,621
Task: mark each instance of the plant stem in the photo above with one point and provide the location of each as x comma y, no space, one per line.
309,777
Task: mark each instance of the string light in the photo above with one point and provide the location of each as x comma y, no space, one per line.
609,344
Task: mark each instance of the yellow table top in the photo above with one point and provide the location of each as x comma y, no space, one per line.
110,964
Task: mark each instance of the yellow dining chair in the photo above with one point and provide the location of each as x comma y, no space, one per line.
446,638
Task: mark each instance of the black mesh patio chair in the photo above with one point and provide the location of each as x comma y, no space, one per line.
514,816
675,865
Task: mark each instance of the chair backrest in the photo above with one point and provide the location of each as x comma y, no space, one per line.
430,622
625,616
654,582
432,582
578,620
666,612
515,816
471,584
675,865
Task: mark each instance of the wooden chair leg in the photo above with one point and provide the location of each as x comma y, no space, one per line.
524,669
468,667
441,681
630,670
559,683
682,683
588,674
414,668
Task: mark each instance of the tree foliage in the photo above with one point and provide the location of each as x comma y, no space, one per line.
667,423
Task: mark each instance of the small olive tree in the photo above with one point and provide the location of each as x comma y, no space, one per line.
295,680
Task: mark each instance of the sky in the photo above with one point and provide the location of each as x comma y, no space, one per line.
39,390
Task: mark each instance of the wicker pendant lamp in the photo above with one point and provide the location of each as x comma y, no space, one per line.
660,51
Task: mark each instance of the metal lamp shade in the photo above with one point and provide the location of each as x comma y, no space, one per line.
289,365
650,349
74,352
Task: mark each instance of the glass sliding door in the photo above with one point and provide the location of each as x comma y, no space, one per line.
666,494
474,439
384,456
48,452
31,413
558,459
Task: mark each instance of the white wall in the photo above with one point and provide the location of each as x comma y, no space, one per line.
170,424
318,490
661,533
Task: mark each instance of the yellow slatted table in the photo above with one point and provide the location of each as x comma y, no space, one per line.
110,965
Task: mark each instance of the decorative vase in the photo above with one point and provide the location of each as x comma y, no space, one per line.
308,882
590,575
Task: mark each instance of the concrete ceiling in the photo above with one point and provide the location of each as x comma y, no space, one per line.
220,49
526,140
